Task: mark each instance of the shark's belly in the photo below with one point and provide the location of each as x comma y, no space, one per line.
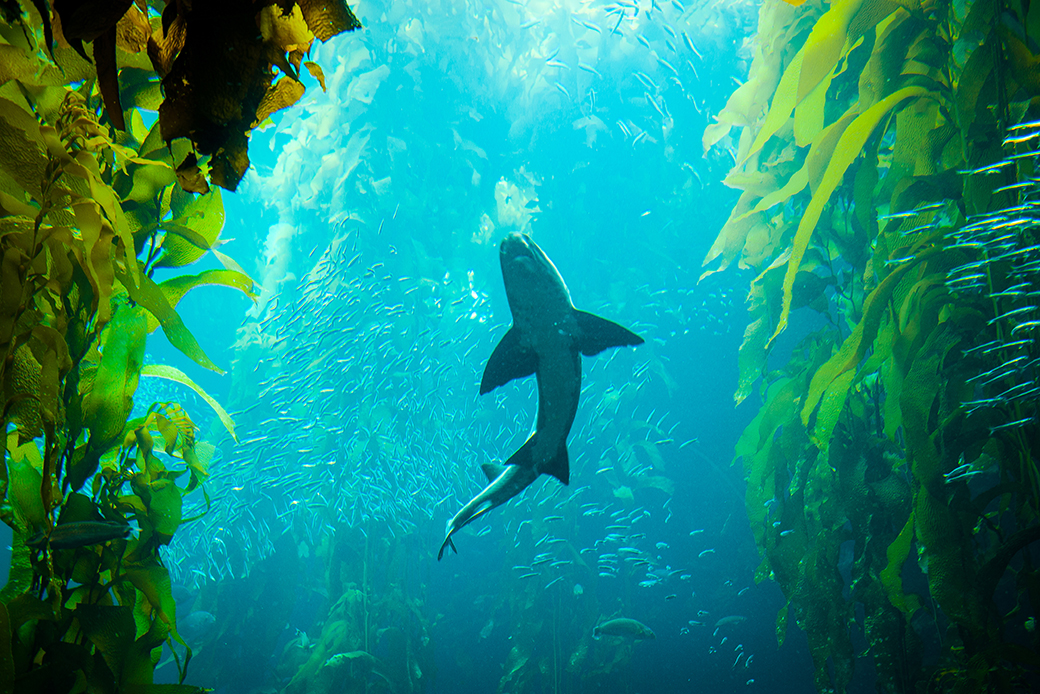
559,387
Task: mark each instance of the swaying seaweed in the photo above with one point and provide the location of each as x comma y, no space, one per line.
889,152
92,202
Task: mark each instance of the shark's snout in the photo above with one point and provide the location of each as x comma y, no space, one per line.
515,245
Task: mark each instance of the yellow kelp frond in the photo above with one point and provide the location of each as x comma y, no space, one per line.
176,375
888,147
174,289
178,418
150,296
846,151
193,231
84,189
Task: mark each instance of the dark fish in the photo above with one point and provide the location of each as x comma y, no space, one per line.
82,534
196,625
547,339
623,626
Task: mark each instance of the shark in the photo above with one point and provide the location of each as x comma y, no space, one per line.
547,339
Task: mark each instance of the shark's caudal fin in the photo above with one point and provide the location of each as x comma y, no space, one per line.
598,334
559,467
508,361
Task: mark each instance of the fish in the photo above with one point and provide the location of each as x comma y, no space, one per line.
731,619
623,626
76,534
547,339
197,625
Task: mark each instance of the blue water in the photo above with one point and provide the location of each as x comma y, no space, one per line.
442,130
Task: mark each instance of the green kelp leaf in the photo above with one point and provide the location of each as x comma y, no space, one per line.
203,217
946,544
139,667
847,150
18,64
834,34
148,179
20,575
782,106
140,88
22,151
102,195
751,358
111,629
108,392
831,406
150,296
165,506
25,481
173,374
154,583
96,254
852,351
732,236
796,184
781,625
177,287
108,403
892,575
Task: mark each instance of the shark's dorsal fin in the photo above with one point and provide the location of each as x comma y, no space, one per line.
491,471
596,334
508,361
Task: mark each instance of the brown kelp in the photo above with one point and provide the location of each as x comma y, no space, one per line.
92,202
889,151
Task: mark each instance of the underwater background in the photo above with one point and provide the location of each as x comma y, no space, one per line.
818,473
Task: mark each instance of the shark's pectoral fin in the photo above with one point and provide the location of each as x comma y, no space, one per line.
491,471
508,361
596,334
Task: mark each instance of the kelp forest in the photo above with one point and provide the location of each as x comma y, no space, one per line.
887,158
889,151
85,188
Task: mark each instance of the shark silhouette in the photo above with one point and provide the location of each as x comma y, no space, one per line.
547,339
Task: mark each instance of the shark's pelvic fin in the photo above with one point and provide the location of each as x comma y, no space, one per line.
597,334
491,471
508,361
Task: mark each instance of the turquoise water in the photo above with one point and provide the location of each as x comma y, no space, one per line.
370,219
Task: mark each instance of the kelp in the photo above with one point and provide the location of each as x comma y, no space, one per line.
216,62
92,203
888,151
